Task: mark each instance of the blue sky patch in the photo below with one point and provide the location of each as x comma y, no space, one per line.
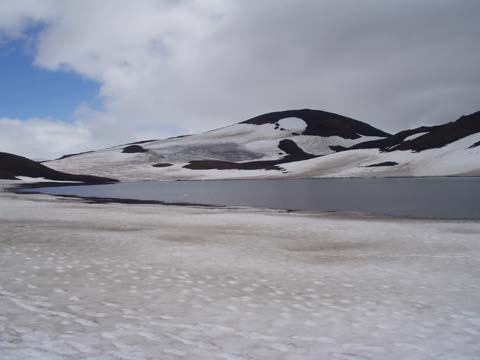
28,91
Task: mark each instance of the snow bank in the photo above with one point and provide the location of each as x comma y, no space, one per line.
83,281
28,180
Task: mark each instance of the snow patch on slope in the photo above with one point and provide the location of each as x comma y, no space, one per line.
292,124
414,136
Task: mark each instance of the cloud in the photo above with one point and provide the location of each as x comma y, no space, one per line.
167,67
16,15
41,139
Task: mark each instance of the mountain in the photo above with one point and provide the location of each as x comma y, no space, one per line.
427,137
293,143
13,166
321,123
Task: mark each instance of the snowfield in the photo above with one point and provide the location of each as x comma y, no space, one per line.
111,281
238,143
435,151
455,159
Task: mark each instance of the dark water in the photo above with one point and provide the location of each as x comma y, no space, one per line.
447,198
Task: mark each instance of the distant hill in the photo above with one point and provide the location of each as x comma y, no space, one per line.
12,166
291,143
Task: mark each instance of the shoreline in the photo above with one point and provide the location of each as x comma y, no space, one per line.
29,188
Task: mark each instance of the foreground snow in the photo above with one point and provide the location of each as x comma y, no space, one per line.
154,282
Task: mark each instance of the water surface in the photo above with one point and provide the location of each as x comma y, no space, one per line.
447,198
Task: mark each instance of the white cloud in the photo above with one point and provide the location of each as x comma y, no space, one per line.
15,15
183,66
41,139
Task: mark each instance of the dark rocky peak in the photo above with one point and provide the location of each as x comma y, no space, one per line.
321,123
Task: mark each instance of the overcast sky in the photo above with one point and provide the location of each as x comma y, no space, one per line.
129,70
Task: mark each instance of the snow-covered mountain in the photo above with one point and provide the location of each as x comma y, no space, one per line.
294,143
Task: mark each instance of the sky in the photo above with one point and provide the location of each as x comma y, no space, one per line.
83,75
28,91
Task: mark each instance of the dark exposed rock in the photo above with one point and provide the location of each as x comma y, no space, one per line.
141,142
178,137
7,176
295,153
434,137
227,165
338,148
475,145
133,149
392,142
13,165
321,123
290,147
160,165
386,163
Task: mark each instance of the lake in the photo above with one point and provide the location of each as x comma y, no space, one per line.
445,198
